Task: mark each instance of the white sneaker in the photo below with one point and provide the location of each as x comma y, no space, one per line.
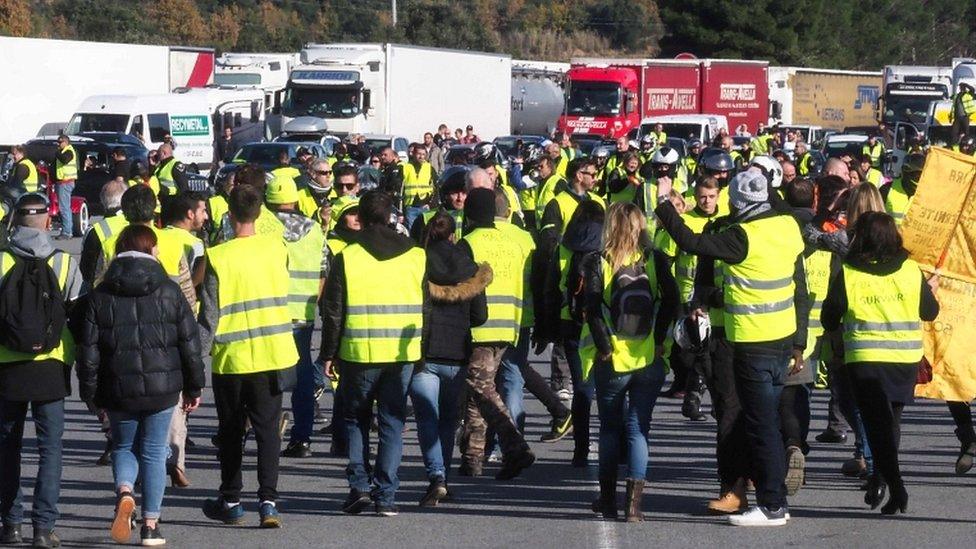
495,456
760,516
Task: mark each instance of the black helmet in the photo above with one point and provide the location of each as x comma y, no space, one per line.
967,144
716,160
532,153
484,151
452,180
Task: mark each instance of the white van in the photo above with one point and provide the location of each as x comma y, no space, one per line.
193,117
703,127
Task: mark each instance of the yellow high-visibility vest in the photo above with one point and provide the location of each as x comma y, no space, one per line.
506,292
64,172
882,323
60,262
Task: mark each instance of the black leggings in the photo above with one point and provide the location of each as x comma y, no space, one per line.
882,421
962,415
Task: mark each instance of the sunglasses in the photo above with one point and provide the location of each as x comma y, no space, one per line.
321,172
347,185
591,174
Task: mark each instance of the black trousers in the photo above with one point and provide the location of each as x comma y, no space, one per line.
962,415
794,416
731,449
238,398
882,422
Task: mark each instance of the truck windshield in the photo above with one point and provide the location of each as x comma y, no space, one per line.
593,99
322,102
907,108
237,79
90,122
684,131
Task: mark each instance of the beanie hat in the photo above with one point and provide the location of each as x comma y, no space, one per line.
747,188
479,208
281,190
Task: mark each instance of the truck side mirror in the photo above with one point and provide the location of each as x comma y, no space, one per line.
255,111
775,109
366,101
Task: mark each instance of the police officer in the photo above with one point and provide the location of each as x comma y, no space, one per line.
65,174
246,325
766,314
170,172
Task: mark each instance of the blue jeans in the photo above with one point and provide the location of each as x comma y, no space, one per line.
582,399
303,396
624,403
363,384
759,372
145,434
861,446
436,391
411,213
511,384
64,205
49,423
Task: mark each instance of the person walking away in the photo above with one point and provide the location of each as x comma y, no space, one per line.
34,365
506,293
138,352
308,267
372,324
246,326
138,208
111,223
765,313
622,349
564,309
65,175
457,303
879,298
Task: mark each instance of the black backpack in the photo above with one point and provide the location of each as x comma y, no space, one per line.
632,302
32,313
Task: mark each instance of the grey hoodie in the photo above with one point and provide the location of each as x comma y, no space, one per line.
35,244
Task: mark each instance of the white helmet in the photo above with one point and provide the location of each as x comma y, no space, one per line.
665,155
771,168
649,139
692,334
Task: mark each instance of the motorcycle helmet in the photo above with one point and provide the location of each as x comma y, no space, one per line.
770,168
484,151
665,155
716,160
967,145
691,334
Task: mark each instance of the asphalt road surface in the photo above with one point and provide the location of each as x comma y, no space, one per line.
548,506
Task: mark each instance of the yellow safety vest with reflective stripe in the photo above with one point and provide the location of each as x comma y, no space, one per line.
520,235
64,172
568,202
286,171
546,193
254,329
803,164
514,206
217,207
304,271
188,241
153,184
384,307
60,262
685,264
881,323
506,292
760,144
874,177
108,226
164,173
169,245
816,266
759,290
897,202
502,174
968,103
458,216
690,165
874,152
418,183
629,354
31,181
309,206
628,192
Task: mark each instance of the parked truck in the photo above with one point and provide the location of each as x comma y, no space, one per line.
610,97
538,96
400,90
909,90
93,68
267,72
830,99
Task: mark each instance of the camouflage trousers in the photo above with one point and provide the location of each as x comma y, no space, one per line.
484,407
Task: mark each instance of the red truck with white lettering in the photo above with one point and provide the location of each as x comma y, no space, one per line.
609,97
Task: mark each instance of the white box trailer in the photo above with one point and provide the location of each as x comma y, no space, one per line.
400,90
44,80
193,117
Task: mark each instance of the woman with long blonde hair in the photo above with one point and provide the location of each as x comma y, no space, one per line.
630,300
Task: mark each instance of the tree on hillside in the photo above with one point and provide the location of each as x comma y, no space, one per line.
177,22
15,18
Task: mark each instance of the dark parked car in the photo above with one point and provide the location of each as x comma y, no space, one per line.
265,154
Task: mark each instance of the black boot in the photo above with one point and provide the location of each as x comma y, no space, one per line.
898,502
967,454
874,490
691,407
606,504
635,494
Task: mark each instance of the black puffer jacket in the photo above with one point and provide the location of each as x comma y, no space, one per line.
457,303
139,345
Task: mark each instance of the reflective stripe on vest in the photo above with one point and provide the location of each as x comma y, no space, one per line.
31,181
60,263
628,353
64,172
897,202
759,290
874,152
254,329
305,271
686,265
384,307
418,183
881,323
816,267
108,226
509,261
458,216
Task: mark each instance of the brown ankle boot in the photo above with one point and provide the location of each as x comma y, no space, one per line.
635,494
606,504
732,500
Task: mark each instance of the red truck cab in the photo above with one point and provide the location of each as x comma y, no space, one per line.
601,100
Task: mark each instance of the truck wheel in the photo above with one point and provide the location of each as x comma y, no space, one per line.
80,220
